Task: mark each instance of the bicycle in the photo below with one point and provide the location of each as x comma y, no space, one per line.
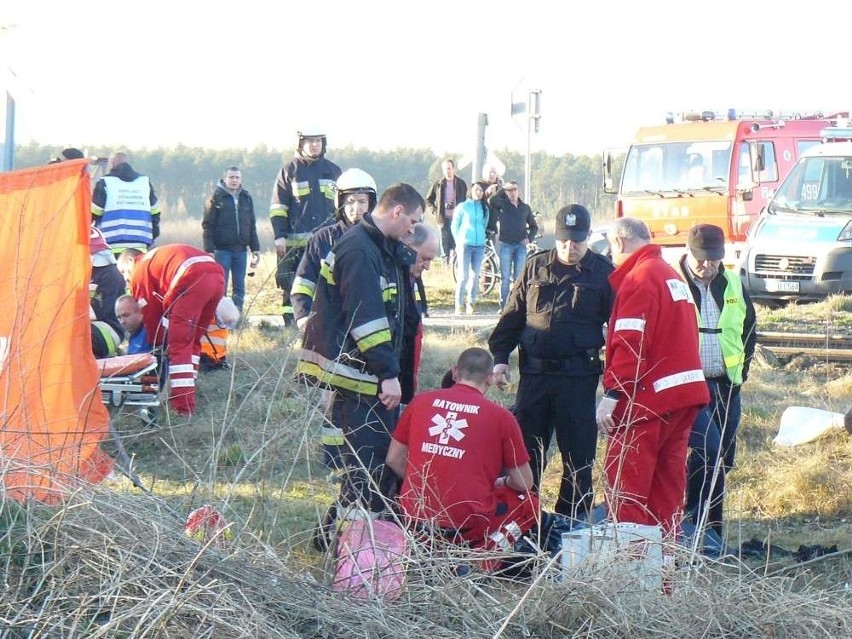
489,274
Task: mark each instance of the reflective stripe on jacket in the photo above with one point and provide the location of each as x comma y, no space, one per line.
737,321
652,359
313,263
356,335
214,344
126,217
302,198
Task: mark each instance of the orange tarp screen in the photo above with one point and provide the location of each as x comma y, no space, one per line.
51,415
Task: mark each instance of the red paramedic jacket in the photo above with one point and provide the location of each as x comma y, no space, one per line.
652,341
155,279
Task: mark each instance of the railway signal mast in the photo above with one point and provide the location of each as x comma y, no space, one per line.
7,156
532,109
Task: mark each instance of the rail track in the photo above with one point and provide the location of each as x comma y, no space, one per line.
831,348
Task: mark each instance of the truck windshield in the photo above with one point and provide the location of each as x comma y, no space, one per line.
676,167
816,186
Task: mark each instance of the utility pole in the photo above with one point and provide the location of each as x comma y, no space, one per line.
532,109
479,149
533,123
7,156
7,162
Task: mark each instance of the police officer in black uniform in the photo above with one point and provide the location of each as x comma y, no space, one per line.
555,315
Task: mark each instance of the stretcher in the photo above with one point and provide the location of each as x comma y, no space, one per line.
131,380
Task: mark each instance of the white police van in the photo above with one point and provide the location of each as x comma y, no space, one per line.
801,246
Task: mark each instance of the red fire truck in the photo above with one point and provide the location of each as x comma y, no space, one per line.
707,168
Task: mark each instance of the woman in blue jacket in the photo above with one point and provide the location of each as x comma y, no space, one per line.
470,220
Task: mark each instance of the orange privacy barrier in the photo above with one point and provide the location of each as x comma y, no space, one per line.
51,415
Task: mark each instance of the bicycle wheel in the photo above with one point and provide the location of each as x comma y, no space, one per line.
489,275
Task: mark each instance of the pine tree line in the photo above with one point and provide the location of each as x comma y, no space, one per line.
185,176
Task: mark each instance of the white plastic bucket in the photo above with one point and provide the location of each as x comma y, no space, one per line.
630,554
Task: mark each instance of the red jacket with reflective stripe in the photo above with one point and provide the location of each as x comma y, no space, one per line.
652,341
156,280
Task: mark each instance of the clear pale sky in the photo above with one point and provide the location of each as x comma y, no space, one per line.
382,74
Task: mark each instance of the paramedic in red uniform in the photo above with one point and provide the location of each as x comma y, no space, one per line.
463,461
653,382
178,287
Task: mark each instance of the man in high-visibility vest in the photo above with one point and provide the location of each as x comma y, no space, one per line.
125,207
728,333
178,288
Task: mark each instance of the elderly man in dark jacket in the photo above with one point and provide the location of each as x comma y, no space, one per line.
229,229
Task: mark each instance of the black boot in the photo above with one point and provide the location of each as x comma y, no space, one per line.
324,532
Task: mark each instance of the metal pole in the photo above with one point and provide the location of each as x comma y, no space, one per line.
527,159
479,149
7,153
8,159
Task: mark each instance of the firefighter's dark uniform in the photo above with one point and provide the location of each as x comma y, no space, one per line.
554,315
361,332
302,200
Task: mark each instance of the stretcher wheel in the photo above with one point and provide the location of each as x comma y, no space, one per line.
149,416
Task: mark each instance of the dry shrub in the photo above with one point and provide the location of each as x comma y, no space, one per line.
111,565
809,479
116,564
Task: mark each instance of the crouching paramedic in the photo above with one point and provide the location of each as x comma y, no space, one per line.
451,447
178,288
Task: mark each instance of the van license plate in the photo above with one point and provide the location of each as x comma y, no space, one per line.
781,286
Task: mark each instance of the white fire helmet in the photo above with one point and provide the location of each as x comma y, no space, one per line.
312,131
354,181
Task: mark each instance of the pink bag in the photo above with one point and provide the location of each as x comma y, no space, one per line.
371,556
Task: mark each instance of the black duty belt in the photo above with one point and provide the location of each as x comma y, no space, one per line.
562,365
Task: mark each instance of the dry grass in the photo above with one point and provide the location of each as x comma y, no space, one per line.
113,562
115,565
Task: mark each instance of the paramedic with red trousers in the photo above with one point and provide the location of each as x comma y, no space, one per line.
178,287
653,382
451,447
